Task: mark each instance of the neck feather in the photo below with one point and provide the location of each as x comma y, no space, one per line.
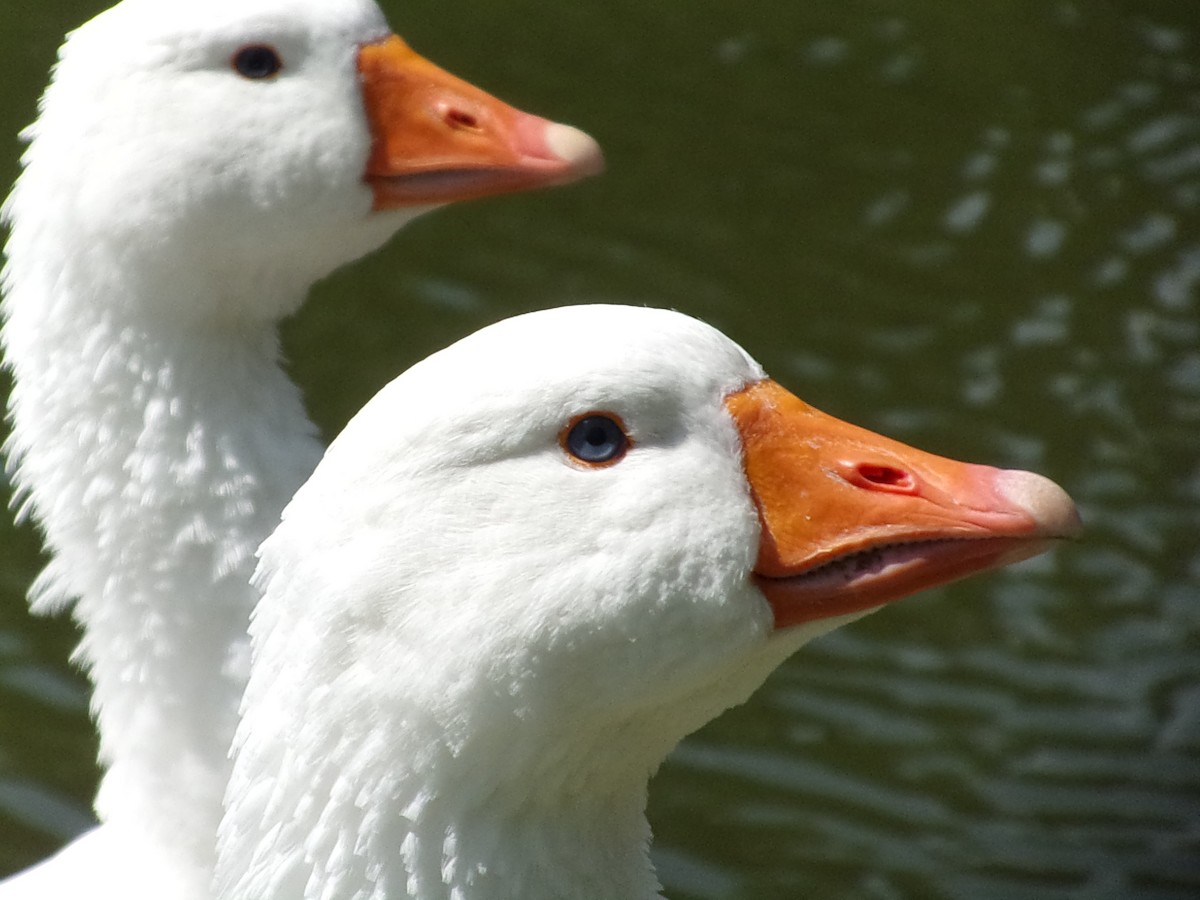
382,815
155,458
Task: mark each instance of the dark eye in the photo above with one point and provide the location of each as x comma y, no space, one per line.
596,439
257,61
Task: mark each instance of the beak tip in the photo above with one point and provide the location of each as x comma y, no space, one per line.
577,149
1050,507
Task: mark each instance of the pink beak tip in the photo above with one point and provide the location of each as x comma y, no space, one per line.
576,149
1051,509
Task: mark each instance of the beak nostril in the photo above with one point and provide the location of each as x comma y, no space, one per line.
456,118
882,474
874,476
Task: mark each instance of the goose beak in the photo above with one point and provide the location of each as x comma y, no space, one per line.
852,520
435,138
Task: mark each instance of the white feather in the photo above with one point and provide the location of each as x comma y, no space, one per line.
168,214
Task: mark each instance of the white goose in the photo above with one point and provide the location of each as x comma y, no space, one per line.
195,167
531,565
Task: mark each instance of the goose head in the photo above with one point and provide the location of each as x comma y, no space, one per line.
528,568
252,147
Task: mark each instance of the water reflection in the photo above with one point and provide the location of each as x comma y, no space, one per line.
972,227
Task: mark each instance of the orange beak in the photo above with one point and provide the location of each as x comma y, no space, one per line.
436,138
852,520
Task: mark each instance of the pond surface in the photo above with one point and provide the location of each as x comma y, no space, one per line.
975,227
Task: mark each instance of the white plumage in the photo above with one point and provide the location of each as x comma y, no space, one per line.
170,212
473,649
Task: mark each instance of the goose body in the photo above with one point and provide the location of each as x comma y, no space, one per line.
530,566
194,168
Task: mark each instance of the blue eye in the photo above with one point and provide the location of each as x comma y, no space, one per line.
257,61
596,439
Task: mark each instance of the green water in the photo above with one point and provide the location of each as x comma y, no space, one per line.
975,227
